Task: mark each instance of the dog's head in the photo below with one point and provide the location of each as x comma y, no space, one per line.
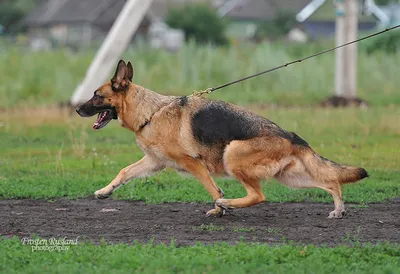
105,99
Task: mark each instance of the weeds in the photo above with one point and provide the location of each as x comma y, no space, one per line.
78,139
272,230
58,162
244,229
209,227
352,239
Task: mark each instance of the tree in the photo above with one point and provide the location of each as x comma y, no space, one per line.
10,15
13,11
199,22
382,2
279,26
389,43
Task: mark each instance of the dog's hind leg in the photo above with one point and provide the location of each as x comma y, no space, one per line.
251,161
144,167
294,174
199,170
336,192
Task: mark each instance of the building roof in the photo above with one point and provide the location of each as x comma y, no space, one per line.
98,12
265,9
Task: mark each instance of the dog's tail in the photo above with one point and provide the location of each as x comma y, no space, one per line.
322,169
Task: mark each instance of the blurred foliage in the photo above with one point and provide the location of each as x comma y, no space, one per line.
280,25
387,42
41,78
13,11
199,22
382,2
10,15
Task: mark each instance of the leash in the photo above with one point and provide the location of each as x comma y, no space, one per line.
210,90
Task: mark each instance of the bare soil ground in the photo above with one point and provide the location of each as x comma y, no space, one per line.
126,221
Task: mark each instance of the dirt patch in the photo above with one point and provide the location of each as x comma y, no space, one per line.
126,221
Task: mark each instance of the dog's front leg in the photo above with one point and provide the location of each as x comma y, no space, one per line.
144,167
198,169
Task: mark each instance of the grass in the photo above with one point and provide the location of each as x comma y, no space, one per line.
46,154
210,227
244,229
16,257
48,77
272,230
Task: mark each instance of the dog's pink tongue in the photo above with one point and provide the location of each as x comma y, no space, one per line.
98,121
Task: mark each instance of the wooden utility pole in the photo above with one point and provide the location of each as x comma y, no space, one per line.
346,57
112,48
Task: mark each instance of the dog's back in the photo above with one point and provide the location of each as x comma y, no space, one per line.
220,122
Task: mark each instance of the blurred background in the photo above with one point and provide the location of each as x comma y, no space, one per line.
46,47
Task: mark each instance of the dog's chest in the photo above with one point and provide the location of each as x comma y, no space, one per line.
121,122
157,152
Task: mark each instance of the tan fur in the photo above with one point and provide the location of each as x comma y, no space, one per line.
163,131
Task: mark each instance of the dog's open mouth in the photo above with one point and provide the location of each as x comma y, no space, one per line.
103,118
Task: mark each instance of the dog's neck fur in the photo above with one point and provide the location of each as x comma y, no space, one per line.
139,105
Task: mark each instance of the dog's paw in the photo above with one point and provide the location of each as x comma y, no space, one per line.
336,214
100,195
216,212
222,204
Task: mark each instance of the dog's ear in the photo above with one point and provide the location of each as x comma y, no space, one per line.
130,71
120,79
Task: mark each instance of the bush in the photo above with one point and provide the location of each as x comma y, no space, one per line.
13,11
387,42
279,26
199,22
10,15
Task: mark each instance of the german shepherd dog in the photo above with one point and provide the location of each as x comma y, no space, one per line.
205,137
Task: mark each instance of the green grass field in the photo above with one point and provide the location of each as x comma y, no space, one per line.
46,153
219,258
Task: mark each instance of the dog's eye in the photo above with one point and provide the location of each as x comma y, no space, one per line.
96,93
